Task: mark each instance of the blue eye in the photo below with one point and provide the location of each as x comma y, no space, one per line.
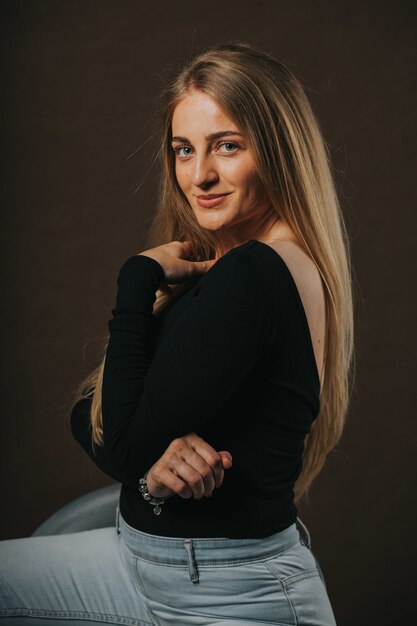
235,146
228,143
177,150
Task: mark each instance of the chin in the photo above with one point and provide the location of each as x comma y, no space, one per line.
212,219
210,226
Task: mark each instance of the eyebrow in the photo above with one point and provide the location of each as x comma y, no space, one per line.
220,133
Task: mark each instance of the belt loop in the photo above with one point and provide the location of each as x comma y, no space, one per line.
117,520
305,535
192,566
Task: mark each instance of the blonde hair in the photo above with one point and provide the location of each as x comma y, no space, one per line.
271,109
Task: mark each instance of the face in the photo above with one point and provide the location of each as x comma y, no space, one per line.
212,158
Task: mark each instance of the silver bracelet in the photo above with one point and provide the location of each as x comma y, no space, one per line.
143,488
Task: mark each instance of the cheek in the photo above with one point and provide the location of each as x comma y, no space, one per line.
244,173
249,182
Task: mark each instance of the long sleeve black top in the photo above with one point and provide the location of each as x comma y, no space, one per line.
232,360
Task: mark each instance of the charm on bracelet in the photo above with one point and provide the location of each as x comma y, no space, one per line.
156,502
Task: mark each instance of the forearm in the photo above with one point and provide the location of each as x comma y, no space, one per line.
80,422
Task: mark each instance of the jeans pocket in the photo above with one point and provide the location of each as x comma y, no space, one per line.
130,559
297,575
309,599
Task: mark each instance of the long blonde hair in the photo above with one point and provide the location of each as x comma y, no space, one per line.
271,109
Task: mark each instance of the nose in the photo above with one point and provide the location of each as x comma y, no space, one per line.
204,171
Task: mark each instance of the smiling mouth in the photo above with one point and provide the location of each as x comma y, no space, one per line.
213,195
211,200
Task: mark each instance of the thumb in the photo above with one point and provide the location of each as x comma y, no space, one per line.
226,458
204,266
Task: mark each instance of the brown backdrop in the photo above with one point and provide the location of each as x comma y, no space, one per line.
78,84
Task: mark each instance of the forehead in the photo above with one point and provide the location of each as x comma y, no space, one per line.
199,112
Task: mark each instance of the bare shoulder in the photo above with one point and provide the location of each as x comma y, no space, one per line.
310,287
300,264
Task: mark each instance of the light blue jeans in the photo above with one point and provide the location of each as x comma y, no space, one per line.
120,575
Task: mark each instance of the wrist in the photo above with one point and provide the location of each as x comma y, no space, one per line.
143,489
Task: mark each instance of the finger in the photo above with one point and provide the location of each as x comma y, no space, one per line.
211,457
165,288
201,267
162,480
208,461
226,459
191,477
186,247
203,467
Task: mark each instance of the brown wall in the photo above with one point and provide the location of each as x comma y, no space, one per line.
78,84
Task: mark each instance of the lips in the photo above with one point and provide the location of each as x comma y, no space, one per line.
212,199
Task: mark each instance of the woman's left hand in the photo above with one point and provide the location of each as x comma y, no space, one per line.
189,467
173,259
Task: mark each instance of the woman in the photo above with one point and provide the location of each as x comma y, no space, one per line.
225,379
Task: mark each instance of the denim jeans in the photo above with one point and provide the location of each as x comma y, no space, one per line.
120,575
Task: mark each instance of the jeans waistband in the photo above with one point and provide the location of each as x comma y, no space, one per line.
204,550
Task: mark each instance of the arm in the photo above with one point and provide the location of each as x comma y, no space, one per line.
81,431
214,345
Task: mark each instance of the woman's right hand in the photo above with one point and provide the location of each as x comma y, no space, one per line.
173,258
189,467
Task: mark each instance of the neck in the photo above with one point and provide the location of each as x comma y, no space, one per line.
268,232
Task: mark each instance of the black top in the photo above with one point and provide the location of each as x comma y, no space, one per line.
231,360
